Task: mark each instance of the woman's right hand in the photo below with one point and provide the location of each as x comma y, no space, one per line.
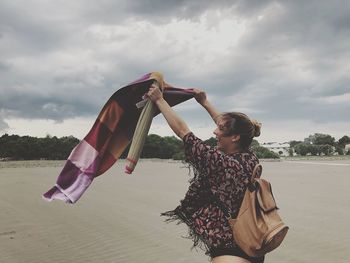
154,93
200,96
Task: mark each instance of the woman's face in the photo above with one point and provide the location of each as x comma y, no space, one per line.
223,141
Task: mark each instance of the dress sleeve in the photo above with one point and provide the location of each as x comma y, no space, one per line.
204,158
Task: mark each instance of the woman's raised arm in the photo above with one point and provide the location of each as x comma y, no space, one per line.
175,122
201,98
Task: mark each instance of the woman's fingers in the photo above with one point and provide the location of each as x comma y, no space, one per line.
154,92
199,95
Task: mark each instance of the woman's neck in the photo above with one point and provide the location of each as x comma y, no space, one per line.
233,149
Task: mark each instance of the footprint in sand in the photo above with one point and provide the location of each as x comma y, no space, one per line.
8,233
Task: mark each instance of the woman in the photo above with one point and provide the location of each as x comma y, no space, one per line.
221,173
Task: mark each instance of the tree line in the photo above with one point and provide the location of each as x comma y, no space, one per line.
320,144
15,147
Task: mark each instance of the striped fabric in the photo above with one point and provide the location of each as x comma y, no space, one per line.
108,138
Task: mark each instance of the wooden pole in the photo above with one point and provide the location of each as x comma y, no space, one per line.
140,134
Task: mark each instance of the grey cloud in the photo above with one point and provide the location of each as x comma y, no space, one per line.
109,11
194,8
311,31
315,34
36,106
317,112
56,97
28,30
4,67
287,103
158,11
333,87
3,125
318,30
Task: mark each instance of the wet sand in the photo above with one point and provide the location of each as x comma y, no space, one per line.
118,218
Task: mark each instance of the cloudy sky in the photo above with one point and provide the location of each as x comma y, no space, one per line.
285,63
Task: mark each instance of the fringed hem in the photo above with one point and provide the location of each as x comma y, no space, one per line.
198,174
178,217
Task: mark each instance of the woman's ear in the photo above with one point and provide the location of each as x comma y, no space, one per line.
235,137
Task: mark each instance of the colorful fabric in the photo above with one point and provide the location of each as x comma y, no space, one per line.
110,135
215,173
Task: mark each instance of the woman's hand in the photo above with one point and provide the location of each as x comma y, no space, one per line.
200,96
154,93
175,122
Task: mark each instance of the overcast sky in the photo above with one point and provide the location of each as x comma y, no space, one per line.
285,63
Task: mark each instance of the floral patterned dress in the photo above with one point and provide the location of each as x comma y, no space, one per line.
219,174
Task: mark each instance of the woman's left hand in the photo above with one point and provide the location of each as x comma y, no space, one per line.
200,96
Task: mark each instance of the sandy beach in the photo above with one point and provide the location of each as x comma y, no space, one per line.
118,218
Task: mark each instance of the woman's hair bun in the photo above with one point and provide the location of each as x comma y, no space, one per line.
257,127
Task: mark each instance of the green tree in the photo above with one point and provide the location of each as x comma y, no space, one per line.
255,143
293,143
320,139
263,152
174,146
326,149
343,141
314,149
161,147
291,152
30,148
339,149
302,148
152,147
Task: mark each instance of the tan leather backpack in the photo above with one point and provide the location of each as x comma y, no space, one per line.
258,228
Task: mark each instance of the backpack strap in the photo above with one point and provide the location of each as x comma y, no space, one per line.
255,175
256,172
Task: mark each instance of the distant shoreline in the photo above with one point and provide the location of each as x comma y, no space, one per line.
60,163
313,158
